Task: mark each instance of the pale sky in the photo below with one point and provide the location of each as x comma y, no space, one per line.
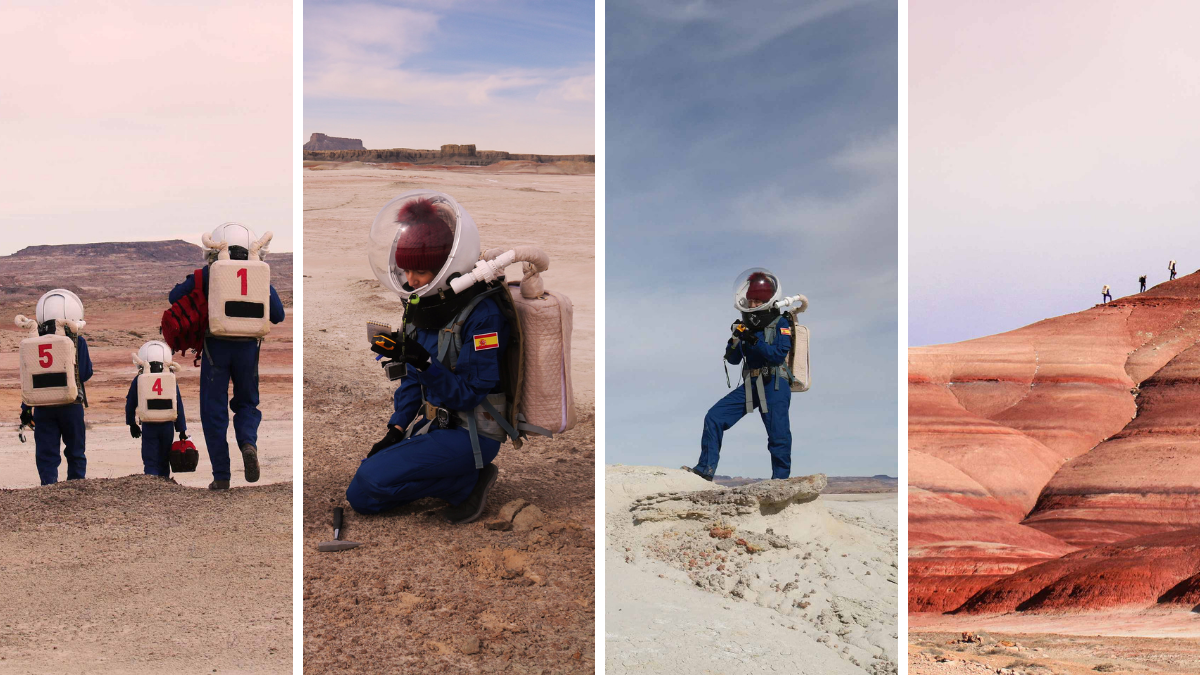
515,75
141,120
1053,148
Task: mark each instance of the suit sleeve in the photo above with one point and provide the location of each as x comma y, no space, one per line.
277,313
773,353
131,403
181,289
407,401
85,361
181,418
477,371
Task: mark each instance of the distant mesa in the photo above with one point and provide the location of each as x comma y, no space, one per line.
448,155
321,142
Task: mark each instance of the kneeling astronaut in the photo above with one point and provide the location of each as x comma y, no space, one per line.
439,441
760,343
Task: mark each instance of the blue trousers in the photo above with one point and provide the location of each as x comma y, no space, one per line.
726,413
226,360
55,424
157,438
437,464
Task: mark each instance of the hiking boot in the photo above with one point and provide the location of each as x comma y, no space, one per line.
219,485
250,461
691,470
470,510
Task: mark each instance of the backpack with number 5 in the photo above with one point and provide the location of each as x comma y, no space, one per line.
49,363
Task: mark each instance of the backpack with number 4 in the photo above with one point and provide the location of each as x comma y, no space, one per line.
50,363
156,392
239,294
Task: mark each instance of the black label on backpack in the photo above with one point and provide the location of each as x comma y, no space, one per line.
158,404
48,380
244,310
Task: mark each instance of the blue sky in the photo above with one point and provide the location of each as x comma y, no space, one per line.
761,136
1042,169
517,75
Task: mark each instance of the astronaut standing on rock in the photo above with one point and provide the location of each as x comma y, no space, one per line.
54,365
236,289
450,405
761,342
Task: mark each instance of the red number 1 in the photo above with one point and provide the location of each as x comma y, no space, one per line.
157,388
45,358
242,275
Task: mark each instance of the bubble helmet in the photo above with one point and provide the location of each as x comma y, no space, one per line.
59,304
422,230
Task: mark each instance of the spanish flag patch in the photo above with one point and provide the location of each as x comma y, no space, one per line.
486,341
785,331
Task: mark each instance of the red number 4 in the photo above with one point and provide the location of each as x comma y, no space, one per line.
157,388
45,358
242,275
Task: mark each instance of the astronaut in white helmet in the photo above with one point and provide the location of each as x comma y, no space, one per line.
434,445
157,430
226,359
56,426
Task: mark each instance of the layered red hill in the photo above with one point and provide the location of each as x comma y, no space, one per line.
1051,467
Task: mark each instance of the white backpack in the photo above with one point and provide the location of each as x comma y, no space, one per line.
156,392
49,365
547,397
239,293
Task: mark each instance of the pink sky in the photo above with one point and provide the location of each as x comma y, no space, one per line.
1054,147
144,120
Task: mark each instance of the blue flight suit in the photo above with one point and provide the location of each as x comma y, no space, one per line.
439,463
157,437
55,423
226,359
726,412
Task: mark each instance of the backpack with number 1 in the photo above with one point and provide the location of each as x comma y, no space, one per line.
239,297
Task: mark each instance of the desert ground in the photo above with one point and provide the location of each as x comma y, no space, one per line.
702,578
421,595
126,573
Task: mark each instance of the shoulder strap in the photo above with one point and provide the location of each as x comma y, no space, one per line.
450,337
769,331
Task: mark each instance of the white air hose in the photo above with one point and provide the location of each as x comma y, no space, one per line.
791,300
494,262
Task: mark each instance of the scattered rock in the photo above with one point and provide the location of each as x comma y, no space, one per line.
529,518
510,510
469,645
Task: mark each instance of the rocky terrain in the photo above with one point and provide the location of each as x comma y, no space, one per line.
446,156
767,577
140,575
513,592
835,484
321,142
1054,467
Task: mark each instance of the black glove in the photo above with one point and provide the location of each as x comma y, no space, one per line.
27,417
393,437
399,347
744,333
183,435
135,431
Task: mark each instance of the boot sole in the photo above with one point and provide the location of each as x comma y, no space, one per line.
490,477
250,461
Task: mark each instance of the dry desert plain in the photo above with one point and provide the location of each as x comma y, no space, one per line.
125,573
421,595
1054,476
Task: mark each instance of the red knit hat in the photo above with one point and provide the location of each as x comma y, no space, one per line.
425,237
761,287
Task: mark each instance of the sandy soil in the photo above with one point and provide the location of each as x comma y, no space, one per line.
825,605
138,575
421,595
1092,646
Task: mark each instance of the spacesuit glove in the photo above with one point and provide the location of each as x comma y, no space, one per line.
399,347
416,356
135,431
744,333
27,417
183,436
393,437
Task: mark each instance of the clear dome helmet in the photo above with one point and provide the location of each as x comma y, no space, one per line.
236,235
757,284
417,231
155,351
59,304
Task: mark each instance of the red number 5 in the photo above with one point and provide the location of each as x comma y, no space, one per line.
242,275
45,358
157,388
